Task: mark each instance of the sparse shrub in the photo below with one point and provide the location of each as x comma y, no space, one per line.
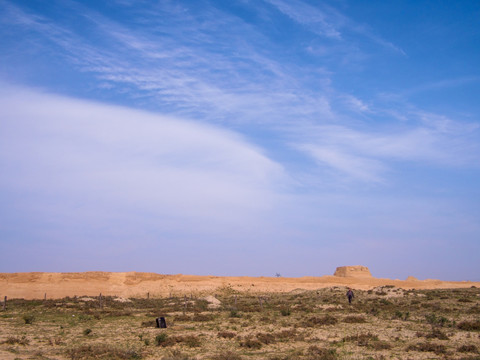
428,347
362,339
469,325
285,311
251,343
149,323
201,304
380,345
467,348
229,355
87,332
474,310
266,338
317,353
385,302
102,351
176,355
325,320
191,341
12,340
287,335
436,320
55,341
354,319
203,317
181,318
29,319
161,339
226,334
235,314
437,334
373,311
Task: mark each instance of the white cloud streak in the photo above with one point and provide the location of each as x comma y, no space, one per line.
106,159
368,156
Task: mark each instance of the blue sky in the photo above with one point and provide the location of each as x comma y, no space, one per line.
240,137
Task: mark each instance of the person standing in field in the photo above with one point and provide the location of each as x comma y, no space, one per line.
350,295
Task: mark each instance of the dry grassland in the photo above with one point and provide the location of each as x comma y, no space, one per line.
383,323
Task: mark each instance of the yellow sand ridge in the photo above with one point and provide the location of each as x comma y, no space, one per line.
37,285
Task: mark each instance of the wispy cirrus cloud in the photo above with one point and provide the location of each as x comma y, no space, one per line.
318,21
178,70
326,21
368,155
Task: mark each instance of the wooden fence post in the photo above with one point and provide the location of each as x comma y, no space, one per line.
5,304
100,300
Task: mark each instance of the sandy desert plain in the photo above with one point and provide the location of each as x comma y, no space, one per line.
100,315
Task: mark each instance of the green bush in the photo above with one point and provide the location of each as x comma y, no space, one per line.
161,339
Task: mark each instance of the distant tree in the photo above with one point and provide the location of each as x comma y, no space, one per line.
278,275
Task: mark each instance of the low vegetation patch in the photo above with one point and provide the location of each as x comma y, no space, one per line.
12,340
354,319
317,353
467,348
300,325
251,343
428,347
469,325
226,334
317,320
102,351
228,355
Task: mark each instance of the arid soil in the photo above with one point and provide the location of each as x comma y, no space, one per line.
382,323
38,285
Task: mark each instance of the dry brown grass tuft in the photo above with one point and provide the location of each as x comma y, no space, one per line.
428,347
12,340
316,321
354,319
469,325
226,334
316,353
102,351
467,348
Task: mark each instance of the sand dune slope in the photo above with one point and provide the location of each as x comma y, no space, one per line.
135,284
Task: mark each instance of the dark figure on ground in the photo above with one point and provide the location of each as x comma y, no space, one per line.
350,295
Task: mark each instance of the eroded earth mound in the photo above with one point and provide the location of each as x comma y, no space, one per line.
352,271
